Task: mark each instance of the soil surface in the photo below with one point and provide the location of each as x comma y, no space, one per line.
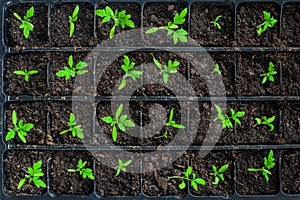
249,16
290,172
290,74
34,113
291,123
60,26
202,14
254,182
37,37
16,164
291,24
203,169
16,84
64,182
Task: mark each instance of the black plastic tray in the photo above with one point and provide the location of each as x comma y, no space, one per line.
4,99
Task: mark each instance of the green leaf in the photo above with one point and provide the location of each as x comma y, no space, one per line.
72,118
252,170
64,132
10,135
100,13
114,133
21,183
152,30
37,165
194,185
182,185
80,72
75,12
22,137
259,31
123,117
130,24
178,126
183,13
171,115
217,180
14,118
39,183
267,15
127,163
81,65
61,73
200,181
240,114
26,33
112,32
119,111
165,78
122,85
30,12
19,72
70,61
31,72
107,119
157,63
17,16
72,170
271,127
223,168
72,28
270,120
128,123
121,127
109,11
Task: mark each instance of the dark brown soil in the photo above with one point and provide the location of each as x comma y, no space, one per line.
290,172
252,182
103,29
291,24
16,84
203,169
249,16
64,182
37,37
59,86
290,74
60,26
247,134
204,31
227,65
34,113
16,164
249,81
291,123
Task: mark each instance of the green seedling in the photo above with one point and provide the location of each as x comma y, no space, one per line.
19,128
269,22
217,69
34,174
268,164
26,73
73,19
165,135
226,120
127,66
269,75
178,34
76,130
218,173
120,18
265,121
216,23
171,68
189,175
122,166
67,72
84,172
26,25
120,120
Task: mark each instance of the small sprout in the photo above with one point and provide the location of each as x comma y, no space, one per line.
265,121
122,166
165,135
120,18
26,25
269,22
269,164
216,23
217,69
34,174
84,172
73,19
72,71
173,123
173,28
19,127
218,174
171,68
226,120
75,129
189,175
120,120
269,75
134,74
26,73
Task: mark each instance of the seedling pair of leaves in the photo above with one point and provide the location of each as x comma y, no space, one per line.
216,23
265,121
122,166
172,123
72,71
269,75
269,163
226,120
218,173
127,68
19,128
72,19
26,73
26,25
120,18
34,174
189,175
83,171
171,68
119,120
217,69
76,130
178,34
269,22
